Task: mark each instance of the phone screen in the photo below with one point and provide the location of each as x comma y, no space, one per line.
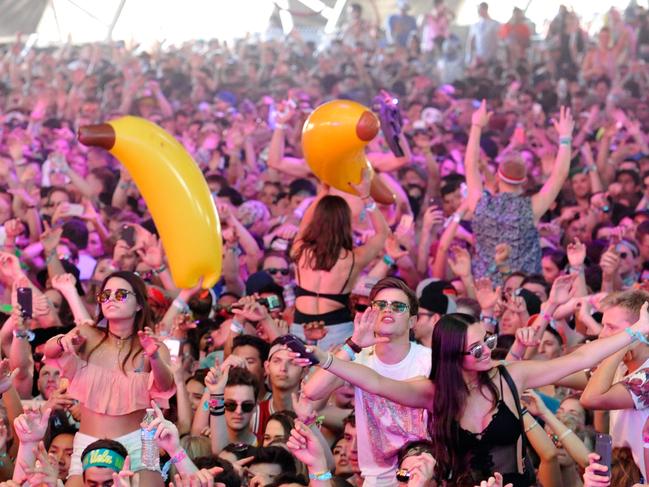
173,344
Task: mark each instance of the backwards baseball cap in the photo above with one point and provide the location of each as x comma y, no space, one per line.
437,297
513,171
105,458
262,282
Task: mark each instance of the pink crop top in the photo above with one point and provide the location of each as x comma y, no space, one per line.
108,391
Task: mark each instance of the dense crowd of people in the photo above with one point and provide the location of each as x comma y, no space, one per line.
488,328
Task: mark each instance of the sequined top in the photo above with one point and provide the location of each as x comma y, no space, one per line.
505,218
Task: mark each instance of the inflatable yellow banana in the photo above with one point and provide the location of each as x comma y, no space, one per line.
175,192
333,143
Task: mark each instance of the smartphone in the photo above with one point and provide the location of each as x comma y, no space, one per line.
24,295
173,344
3,236
75,209
271,302
436,201
128,235
296,345
604,448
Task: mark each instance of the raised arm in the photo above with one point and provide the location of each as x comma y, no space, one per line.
601,393
479,120
542,200
416,393
533,373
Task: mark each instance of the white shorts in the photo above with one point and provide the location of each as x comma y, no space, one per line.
132,442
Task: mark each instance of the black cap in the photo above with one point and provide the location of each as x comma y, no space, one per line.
437,298
262,282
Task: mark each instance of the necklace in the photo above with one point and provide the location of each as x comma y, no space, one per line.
120,340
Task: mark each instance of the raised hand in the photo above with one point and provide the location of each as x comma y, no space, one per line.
251,310
363,334
14,228
593,475
59,400
166,433
433,218
315,331
363,188
50,238
495,481
30,427
422,470
72,342
393,249
566,124
502,253
459,260
526,336
404,233
64,283
561,289
304,445
576,253
45,472
534,403
303,407
149,341
126,477
486,295
481,117
6,375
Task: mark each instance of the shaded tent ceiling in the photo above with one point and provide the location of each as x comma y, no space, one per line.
20,16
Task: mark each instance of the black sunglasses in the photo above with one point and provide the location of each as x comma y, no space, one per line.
246,406
272,271
478,350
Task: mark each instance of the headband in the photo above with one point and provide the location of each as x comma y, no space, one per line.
103,458
510,180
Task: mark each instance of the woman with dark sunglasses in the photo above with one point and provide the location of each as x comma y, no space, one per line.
327,264
474,421
116,369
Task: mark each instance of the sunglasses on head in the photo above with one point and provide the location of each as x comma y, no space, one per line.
395,306
478,350
119,294
246,406
272,271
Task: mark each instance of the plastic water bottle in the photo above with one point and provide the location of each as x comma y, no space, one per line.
150,456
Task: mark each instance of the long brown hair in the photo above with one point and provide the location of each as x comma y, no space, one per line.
451,393
329,232
143,317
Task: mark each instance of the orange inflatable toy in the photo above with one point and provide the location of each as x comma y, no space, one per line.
334,138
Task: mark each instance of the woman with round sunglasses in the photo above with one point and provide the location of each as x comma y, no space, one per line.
474,422
327,264
116,369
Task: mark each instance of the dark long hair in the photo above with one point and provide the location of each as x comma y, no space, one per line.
451,393
143,317
329,232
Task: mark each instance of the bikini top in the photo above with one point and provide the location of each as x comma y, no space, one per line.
342,298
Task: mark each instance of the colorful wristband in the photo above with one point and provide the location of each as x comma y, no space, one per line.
320,476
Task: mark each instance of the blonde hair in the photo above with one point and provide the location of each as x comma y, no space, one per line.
631,301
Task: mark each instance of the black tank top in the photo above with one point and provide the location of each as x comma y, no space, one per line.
496,448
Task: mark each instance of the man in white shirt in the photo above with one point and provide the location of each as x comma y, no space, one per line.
383,334
621,382
482,42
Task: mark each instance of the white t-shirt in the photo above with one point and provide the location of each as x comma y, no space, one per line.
383,426
485,34
626,424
